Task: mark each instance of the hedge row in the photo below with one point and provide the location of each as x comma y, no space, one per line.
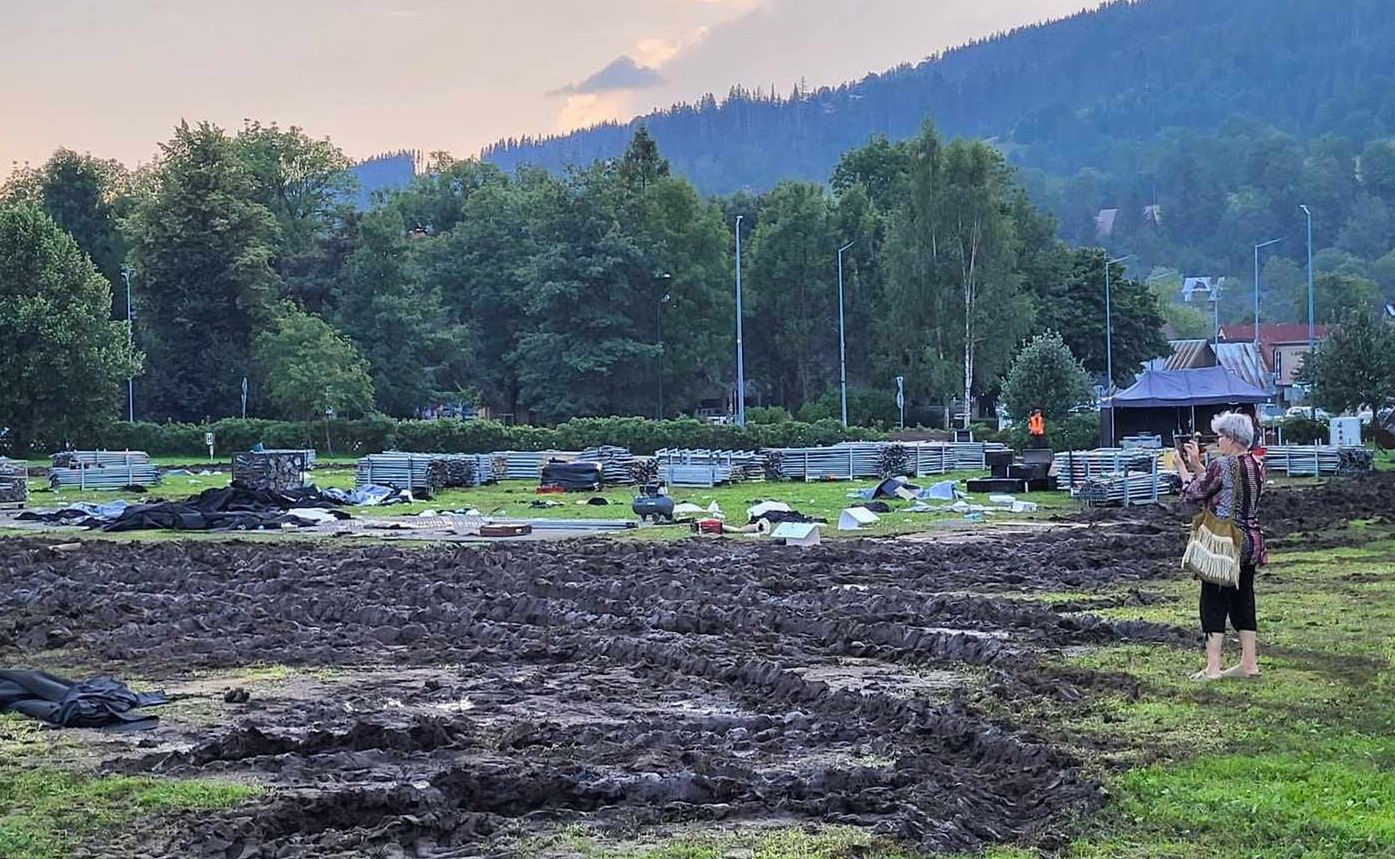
372,435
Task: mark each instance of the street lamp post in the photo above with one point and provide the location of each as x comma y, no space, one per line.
1109,328
1109,341
664,297
842,343
740,355
1259,247
131,345
1311,302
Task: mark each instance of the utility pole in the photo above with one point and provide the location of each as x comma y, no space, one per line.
842,341
1259,247
1312,303
740,352
131,345
1109,341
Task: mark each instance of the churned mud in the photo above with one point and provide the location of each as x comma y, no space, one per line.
451,701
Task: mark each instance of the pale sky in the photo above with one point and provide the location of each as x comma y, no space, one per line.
113,77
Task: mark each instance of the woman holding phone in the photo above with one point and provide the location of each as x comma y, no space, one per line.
1230,487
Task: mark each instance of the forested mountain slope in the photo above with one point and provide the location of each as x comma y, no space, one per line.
1057,96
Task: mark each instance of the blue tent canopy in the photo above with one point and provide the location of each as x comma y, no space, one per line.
1206,386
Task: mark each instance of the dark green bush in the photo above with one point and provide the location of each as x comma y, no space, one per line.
371,435
1304,431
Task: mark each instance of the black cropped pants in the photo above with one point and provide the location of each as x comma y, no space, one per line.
1218,603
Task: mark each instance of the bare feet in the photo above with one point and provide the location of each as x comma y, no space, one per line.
1204,676
1235,671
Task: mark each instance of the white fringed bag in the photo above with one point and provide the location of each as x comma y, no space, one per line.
1213,552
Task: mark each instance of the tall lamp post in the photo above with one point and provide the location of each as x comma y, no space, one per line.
1109,342
740,352
842,343
1311,302
664,297
131,345
1258,248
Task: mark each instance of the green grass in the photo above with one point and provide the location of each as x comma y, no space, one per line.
1298,763
514,499
49,806
813,842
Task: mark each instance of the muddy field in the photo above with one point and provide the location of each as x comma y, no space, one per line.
465,698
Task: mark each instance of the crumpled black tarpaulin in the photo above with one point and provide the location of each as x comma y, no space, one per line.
230,509
573,476
102,702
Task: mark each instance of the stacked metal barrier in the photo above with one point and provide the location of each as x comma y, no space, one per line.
1297,460
618,466
931,458
1114,477
14,483
858,460
527,464
707,468
1074,467
1125,489
101,469
431,471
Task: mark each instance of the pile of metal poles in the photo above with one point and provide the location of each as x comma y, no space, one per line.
274,470
14,483
101,469
707,468
431,471
1297,460
1127,488
1074,467
528,464
858,460
619,467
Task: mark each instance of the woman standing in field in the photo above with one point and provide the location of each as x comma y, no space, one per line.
1230,488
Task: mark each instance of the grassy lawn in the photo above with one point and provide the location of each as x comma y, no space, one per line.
515,500
50,804
1298,763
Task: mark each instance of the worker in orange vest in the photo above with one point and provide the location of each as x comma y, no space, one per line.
1036,428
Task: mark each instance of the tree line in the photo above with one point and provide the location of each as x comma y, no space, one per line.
603,291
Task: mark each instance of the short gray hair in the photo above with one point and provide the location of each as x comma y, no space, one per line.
1235,426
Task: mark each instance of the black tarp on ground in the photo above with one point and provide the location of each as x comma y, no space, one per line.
573,476
102,702
231,509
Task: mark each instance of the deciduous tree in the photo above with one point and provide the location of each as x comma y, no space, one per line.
63,360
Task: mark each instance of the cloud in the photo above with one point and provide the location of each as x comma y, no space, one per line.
655,52
622,74
586,109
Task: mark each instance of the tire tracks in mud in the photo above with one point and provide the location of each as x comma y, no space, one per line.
625,685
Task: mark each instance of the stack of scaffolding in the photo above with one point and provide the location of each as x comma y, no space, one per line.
929,458
1135,480
1317,460
431,471
858,460
708,467
847,461
100,469
274,470
528,464
308,453
1127,488
14,483
972,455
619,467
1074,467
895,461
